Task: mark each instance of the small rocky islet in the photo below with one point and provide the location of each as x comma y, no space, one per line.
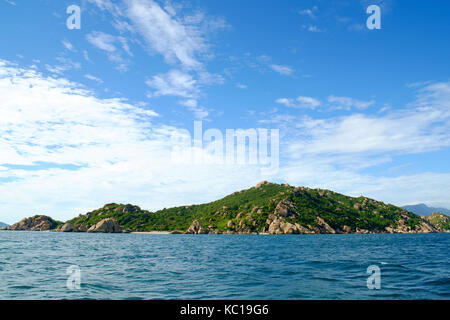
267,208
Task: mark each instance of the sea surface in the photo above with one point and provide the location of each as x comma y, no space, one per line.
35,265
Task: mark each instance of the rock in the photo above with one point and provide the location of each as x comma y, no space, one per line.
108,225
363,231
239,215
230,224
81,228
275,227
262,183
324,227
177,232
346,229
36,223
127,208
285,208
196,228
288,228
67,227
303,230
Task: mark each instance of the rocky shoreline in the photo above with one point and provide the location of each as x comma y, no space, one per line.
276,226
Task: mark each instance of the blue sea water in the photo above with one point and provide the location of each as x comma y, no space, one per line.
33,265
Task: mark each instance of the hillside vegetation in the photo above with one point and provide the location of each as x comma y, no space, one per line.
266,208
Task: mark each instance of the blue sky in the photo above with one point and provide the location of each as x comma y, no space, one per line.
87,115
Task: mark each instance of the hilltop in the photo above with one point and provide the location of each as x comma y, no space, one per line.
424,210
266,208
3,225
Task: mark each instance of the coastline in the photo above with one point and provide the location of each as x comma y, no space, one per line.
150,232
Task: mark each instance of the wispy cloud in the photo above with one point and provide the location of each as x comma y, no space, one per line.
284,70
166,33
10,2
348,103
68,45
93,78
300,102
174,83
310,12
108,43
63,65
312,28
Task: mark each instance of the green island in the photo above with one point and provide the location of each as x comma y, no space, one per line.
267,208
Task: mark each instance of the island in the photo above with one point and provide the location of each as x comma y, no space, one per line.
267,208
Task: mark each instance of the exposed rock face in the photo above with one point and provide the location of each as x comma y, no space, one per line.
262,183
324,227
126,208
36,223
423,227
108,225
67,227
285,208
196,228
279,226
426,228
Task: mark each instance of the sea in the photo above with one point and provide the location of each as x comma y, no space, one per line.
47,265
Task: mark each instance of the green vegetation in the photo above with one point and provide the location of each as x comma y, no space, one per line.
252,207
440,220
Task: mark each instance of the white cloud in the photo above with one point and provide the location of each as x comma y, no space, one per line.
285,70
309,12
312,28
93,78
166,34
64,65
348,103
96,151
68,45
107,42
300,102
102,41
174,83
107,150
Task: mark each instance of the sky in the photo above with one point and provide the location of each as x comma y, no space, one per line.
88,116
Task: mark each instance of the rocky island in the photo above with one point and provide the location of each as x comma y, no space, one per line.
267,208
